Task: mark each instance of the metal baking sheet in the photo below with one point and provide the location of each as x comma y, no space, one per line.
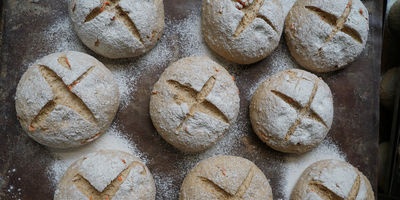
24,163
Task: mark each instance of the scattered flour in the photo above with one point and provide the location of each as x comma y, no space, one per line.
295,164
181,38
112,139
279,60
60,37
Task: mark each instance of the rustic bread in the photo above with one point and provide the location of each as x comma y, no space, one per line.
326,35
193,103
106,175
225,177
242,31
66,99
332,179
118,28
292,111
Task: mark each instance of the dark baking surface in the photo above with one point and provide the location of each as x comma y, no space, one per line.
23,162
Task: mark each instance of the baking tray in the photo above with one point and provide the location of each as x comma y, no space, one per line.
24,163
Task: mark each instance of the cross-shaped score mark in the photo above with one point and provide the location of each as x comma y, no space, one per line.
62,95
109,192
303,112
250,14
196,100
338,24
224,195
327,194
120,14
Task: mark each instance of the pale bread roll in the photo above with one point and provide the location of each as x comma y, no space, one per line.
66,99
193,103
106,174
245,34
225,177
332,179
292,111
326,35
118,28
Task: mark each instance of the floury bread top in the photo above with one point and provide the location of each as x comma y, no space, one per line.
194,103
66,99
118,28
242,31
326,35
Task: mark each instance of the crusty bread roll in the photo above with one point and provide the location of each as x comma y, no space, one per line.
66,99
326,35
118,28
292,111
243,33
332,179
193,103
106,174
225,177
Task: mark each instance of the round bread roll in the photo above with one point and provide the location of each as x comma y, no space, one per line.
118,28
242,31
325,35
225,177
292,111
193,103
107,174
66,99
332,179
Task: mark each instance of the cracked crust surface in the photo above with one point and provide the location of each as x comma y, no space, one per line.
245,35
332,180
292,111
106,174
326,35
225,177
193,103
118,28
66,99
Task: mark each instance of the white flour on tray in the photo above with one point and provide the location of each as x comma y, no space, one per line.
184,34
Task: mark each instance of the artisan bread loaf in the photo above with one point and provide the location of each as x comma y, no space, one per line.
118,28
326,35
225,177
193,103
332,179
106,174
242,31
66,99
292,111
